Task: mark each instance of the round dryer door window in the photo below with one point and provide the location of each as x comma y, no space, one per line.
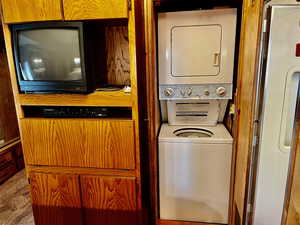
193,133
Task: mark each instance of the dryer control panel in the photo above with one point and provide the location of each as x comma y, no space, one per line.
207,91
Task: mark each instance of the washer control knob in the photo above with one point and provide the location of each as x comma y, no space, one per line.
206,92
221,91
182,92
169,92
189,91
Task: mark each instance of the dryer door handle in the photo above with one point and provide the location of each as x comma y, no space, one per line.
216,59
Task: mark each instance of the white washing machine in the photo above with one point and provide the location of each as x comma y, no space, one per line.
194,173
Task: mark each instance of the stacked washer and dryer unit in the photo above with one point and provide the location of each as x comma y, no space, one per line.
196,62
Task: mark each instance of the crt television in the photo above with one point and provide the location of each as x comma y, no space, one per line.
55,57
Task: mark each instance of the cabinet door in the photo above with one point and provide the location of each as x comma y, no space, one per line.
107,144
55,199
95,9
16,11
109,200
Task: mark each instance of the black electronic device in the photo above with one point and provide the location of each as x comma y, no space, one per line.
57,57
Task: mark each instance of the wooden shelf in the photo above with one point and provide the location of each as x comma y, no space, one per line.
107,98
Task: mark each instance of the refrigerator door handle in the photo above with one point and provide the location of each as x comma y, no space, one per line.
288,111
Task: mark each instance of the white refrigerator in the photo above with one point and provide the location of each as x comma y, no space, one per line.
281,79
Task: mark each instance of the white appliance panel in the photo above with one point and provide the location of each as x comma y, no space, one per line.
194,175
196,50
281,85
196,47
196,112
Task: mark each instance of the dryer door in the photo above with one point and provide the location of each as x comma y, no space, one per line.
196,50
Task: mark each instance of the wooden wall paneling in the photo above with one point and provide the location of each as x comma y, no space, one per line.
11,64
117,53
245,102
89,143
153,107
291,215
16,11
95,9
8,119
111,200
56,199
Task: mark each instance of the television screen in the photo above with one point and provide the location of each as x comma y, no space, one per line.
49,55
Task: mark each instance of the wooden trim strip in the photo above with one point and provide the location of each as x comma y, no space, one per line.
81,171
10,144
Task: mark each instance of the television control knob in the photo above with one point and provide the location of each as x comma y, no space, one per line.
169,92
221,91
206,92
182,92
189,91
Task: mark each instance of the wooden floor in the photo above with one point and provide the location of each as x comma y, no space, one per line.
15,203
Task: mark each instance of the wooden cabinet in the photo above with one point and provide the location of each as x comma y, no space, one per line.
84,171
111,200
11,160
63,199
92,143
16,11
56,199
95,9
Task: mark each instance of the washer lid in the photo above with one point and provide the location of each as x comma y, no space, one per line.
195,134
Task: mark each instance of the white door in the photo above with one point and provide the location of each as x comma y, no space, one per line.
196,50
280,91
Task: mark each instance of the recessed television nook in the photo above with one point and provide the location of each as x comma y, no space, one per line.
71,57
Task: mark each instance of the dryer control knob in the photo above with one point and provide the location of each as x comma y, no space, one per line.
189,91
182,92
221,91
206,92
169,92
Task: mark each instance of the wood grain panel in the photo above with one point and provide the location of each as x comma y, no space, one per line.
81,171
111,200
55,199
16,11
79,143
153,108
8,118
117,53
95,9
7,171
109,98
9,160
12,69
6,158
245,101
